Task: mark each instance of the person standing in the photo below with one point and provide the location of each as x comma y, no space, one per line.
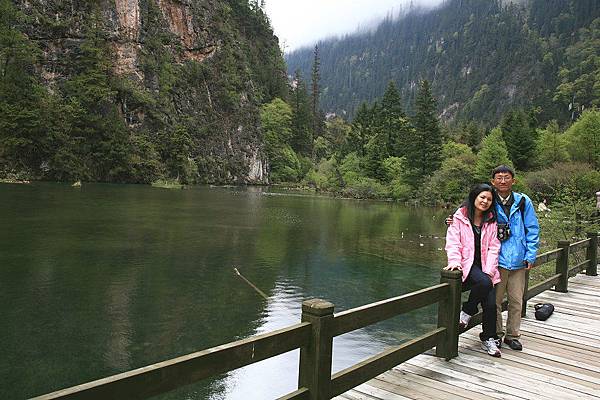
518,231
472,247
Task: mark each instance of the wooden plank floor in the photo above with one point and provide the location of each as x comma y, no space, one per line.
560,359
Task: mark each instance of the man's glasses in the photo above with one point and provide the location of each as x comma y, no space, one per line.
503,178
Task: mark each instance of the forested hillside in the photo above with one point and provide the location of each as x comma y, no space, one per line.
423,107
481,57
134,91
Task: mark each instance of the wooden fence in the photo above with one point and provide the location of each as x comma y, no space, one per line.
314,336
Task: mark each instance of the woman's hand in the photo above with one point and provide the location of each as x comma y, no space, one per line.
453,267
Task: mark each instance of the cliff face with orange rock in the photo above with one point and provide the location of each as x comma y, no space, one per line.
192,71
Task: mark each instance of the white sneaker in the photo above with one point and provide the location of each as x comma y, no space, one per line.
464,319
491,347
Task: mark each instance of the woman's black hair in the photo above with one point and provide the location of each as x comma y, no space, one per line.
469,203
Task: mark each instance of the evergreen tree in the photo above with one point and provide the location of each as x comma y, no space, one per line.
23,141
337,132
472,135
552,145
425,149
393,121
376,152
302,137
361,130
175,149
520,135
493,153
102,138
315,94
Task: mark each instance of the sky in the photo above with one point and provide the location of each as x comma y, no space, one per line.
305,22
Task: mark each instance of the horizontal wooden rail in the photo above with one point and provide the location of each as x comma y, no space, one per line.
164,376
359,317
540,287
547,257
582,244
371,367
574,270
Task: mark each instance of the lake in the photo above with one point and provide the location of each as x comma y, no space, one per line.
106,278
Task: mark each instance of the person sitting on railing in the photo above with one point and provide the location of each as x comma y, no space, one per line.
472,247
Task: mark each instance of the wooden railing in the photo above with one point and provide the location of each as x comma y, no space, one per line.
314,336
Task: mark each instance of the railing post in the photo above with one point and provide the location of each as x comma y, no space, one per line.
315,359
562,266
524,306
448,311
592,254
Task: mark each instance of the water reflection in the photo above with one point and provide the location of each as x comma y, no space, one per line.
113,277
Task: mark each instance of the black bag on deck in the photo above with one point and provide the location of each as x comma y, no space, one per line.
543,311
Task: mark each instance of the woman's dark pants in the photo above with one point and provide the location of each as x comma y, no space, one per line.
482,291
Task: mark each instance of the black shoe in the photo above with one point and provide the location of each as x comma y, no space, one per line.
513,344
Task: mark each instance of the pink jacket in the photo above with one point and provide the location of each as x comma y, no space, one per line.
460,246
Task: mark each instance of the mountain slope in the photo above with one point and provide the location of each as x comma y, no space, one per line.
482,57
135,90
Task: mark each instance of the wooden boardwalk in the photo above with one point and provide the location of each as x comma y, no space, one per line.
560,359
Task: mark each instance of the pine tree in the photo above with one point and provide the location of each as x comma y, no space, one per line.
472,135
520,136
493,153
425,150
315,94
552,146
361,130
394,122
103,136
302,137
23,141
376,151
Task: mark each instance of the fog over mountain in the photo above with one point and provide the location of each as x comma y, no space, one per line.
299,24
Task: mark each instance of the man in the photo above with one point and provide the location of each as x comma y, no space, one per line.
519,246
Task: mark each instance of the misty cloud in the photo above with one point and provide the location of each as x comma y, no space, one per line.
303,23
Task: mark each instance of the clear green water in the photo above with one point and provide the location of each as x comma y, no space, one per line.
107,278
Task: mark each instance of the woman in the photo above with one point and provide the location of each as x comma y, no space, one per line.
472,246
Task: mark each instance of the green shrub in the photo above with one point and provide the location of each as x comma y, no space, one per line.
451,183
285,165
578,178
365,188
350,168
400,190
583,138
325,176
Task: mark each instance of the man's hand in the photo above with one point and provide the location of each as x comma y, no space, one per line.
528,265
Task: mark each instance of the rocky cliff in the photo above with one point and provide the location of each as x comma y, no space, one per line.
182,80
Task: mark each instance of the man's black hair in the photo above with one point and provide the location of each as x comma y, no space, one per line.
503,168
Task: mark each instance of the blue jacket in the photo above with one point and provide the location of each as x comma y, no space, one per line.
524,240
